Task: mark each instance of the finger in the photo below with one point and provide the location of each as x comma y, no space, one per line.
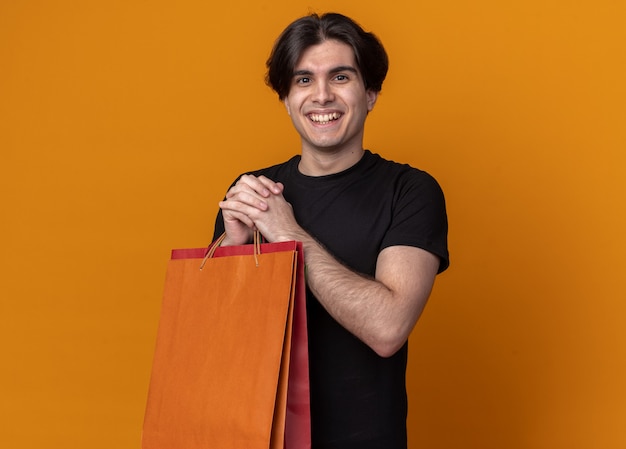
259,185
242,185
245,198
250,209
236,216
274,187
262,185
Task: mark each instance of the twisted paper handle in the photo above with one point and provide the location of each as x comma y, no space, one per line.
211,250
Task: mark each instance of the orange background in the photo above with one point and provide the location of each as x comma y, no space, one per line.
123,122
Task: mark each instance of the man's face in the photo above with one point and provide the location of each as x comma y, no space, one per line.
327,101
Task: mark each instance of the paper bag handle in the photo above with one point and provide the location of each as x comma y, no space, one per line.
213,247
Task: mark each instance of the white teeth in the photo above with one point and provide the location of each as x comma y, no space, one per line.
323,119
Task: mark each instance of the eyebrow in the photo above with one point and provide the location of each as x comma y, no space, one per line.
341,68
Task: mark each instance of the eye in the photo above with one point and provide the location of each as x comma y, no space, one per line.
303,80
341,77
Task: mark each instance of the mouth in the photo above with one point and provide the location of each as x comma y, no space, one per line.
323,119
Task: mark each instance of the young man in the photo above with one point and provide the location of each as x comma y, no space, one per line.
374,231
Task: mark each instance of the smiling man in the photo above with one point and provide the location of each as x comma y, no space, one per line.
374,231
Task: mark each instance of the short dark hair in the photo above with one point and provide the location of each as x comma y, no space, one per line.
370,55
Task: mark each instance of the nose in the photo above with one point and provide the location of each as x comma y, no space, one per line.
323,92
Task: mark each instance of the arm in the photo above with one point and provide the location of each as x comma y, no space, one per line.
381,311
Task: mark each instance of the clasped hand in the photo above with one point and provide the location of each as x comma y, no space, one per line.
257,203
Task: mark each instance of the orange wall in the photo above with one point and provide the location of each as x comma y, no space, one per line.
123,122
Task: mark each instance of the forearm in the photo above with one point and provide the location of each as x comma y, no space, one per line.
365,306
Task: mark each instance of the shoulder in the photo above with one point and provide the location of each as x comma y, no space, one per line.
378,162
418,208
403,177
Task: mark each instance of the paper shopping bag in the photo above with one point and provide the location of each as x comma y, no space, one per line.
230,368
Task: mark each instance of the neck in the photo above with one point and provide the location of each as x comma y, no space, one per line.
322,163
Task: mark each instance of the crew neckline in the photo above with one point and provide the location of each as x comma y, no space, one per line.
361,163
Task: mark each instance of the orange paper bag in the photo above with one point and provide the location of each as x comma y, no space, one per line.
230,369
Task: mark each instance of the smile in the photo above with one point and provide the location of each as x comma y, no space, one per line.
323,119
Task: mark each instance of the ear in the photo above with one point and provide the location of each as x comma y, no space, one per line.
286,103
371,99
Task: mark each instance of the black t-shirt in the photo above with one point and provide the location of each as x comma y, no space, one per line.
358,399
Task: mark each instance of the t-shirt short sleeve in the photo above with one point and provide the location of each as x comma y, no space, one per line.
419,216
